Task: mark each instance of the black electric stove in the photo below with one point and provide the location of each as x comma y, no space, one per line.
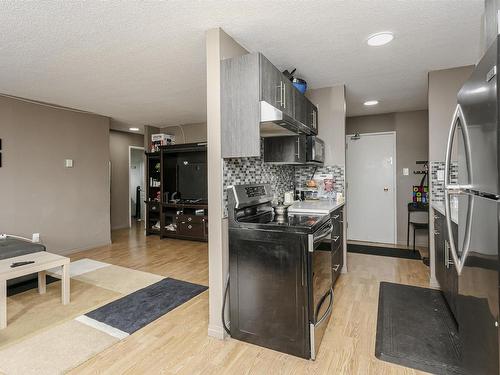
280,289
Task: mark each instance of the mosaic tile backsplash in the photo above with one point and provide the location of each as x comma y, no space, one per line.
304,173
437,192
282,178
240,171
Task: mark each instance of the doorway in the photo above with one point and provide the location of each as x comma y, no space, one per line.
371,187
136,184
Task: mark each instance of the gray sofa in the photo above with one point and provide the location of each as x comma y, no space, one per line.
13,247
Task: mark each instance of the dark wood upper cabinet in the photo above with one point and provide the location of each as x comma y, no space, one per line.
248,81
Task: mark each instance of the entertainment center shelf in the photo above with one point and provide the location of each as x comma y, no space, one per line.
177,192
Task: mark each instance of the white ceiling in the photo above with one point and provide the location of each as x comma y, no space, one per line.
144,62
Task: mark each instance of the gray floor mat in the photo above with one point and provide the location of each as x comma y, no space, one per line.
140,308
416,329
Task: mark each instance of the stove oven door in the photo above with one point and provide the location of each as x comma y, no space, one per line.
320,285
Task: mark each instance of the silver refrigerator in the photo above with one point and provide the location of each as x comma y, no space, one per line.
472,197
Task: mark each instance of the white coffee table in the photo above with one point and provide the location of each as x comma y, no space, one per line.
43,261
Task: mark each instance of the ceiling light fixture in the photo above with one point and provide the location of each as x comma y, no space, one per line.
380,39
133,129
371,102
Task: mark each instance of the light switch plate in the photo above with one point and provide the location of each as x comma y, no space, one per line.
68,163
36,237
406,171
440,175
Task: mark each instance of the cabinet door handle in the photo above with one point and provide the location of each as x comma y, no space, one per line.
190,218
335,217
190,226
284,95
436,233
280,101
336,268
336,238
447,261
298,148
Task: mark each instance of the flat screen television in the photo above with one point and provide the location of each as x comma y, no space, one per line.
192,180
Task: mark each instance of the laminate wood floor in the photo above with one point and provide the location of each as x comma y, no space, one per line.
178,343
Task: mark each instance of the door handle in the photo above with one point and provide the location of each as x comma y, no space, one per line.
458,116
298,148
386,188
447,261
280,87
284,95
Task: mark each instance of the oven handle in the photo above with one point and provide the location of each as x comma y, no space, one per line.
313,240
328,310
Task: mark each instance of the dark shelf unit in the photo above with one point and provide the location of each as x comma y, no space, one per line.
153,193
185,219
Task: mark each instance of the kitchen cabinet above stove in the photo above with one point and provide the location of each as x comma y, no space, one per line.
257,100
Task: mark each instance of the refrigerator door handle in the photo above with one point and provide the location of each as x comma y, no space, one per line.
455,189
458,118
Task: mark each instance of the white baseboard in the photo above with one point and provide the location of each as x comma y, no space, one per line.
433,283
217,332
65,252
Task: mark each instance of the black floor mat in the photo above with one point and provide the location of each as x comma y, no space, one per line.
416,329
384,251
134,311
27,285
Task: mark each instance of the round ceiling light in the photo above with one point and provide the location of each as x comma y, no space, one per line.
133,129
380,39
371,102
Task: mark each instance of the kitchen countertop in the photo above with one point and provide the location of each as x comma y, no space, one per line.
439,206
321,206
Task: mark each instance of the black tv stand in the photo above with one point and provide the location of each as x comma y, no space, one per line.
182,218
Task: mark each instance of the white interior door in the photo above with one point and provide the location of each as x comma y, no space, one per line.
371,187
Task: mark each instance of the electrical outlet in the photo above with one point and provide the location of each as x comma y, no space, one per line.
68,163
406,171
35,237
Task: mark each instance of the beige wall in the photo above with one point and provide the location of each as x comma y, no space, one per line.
219,46
69,207
331,119
411,145
119,143
187,133
489,31
443,88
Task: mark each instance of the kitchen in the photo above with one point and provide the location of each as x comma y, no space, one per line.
256,193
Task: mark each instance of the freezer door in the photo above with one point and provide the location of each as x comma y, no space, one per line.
478,300
477,103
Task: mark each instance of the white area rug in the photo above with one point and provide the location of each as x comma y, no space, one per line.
54,351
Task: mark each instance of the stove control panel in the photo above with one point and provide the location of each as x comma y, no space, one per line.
255,191
250,195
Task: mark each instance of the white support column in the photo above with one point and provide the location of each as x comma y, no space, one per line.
219,46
